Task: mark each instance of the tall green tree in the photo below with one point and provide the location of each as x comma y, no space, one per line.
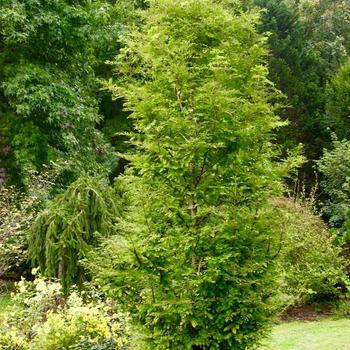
193,260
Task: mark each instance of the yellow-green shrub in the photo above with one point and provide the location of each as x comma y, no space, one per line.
78,325
11,340
42,318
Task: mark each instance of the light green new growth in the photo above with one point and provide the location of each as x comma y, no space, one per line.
194,259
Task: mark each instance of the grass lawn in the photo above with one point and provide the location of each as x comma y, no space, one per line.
315,335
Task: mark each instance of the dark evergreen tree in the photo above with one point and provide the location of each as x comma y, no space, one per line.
308,42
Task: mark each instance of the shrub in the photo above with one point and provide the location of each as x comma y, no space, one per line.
40,317
16,215
311,263
79,327
10,340
30,304
334,167
18,210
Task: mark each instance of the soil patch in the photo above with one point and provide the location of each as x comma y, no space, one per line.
306,313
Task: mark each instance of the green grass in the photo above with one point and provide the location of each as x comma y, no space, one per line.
316,335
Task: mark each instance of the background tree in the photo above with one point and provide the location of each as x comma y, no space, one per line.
338,102
308,41
193,260
51,51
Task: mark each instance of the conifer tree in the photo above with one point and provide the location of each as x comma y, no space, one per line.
193,260
69,227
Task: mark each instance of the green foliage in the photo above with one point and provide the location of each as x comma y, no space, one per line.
193,260
81,327
308,40
50,51
335,169
338,102
71,224
196,256
18,210
311,263
42,318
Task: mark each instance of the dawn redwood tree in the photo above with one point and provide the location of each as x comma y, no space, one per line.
193,260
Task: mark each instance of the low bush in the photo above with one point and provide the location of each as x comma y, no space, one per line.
311,264
42,318
334,167
80,327
18,210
